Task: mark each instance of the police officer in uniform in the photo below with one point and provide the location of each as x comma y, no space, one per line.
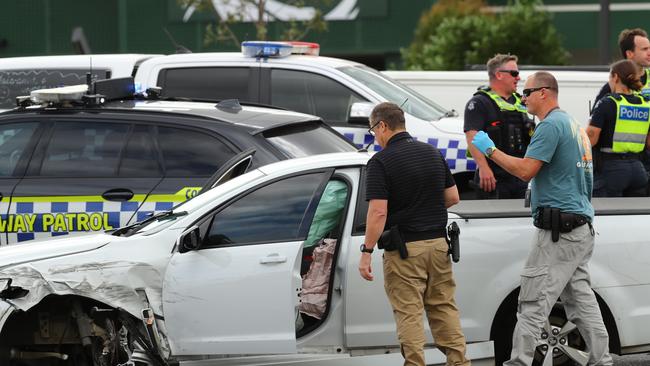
498,110
409,188
618,132
635,46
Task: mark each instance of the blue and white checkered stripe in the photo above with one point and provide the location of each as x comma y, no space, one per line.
454,151
114,215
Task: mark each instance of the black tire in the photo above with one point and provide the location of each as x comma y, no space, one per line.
506,319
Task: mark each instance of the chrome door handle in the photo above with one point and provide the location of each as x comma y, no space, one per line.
273,258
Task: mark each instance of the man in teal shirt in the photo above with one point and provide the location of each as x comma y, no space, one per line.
558,161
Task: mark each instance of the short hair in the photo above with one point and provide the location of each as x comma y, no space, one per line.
390,113
497,61
628,72
626,39
545,79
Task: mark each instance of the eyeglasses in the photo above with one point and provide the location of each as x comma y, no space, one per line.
527,92
513,73
370,130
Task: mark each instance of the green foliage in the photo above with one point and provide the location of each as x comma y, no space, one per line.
429,22
522,29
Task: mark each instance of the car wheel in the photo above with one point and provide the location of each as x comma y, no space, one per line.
562,344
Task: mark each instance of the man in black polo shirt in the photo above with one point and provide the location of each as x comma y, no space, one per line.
409,186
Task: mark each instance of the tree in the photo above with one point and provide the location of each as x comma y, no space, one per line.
299,21
428,26
522,29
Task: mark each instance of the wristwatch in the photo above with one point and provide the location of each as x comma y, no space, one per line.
489,151
365,250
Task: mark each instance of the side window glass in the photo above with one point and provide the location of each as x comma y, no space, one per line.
213,83
140,158
271,213
14,138
84,149
191,153
312,93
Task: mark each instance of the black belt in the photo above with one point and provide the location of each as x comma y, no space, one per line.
574,221
620,156
410,236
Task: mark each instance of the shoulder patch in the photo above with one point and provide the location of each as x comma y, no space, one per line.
470,106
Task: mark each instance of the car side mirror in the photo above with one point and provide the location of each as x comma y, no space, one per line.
360,113
189,240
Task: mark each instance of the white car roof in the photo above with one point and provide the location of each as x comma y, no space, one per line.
238,57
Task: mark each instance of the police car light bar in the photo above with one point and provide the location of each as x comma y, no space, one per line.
57,95
265,49
278,49
304,48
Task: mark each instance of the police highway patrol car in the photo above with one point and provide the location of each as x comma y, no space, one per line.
73,162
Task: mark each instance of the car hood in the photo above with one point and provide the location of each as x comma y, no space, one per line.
16,254
450,125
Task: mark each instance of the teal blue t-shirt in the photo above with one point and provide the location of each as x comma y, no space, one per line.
565,180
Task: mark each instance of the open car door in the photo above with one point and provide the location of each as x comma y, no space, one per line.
232,287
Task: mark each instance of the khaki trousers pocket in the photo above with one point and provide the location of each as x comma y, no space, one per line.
533,283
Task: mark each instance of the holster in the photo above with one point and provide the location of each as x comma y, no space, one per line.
391,240
453,234
549,218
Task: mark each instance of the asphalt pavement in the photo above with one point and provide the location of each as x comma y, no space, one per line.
632,360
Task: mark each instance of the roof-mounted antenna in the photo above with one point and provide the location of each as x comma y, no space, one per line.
89,76
179,47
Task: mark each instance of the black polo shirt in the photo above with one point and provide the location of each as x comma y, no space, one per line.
412,176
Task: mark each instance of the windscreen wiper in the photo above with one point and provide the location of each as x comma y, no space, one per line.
164,215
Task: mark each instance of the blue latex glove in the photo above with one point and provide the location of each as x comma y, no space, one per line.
482,141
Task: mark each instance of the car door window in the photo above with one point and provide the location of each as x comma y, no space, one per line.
14,138
280,211
191,153
212,83
140,156
312,93
84,149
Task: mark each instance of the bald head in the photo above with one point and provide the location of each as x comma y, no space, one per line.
540,94
545,79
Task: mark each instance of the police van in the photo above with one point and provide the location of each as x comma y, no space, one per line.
73,161
292,75
20,75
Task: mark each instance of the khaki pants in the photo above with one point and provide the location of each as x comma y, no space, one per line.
424,282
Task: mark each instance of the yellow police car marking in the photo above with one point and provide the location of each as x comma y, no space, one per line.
78,221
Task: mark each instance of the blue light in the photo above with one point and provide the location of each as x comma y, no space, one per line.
265,49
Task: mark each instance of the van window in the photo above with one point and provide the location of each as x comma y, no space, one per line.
14,83
189,153
313,94
208,83
14,138
84,149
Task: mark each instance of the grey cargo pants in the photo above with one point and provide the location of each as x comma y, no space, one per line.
555,270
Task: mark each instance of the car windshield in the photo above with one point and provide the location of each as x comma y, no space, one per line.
397,93
307,139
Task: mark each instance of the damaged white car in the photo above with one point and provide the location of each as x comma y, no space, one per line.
262,269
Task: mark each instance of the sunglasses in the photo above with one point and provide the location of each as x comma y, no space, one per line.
527,92
513,73
370,130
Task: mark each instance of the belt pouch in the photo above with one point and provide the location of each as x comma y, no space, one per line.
555,224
